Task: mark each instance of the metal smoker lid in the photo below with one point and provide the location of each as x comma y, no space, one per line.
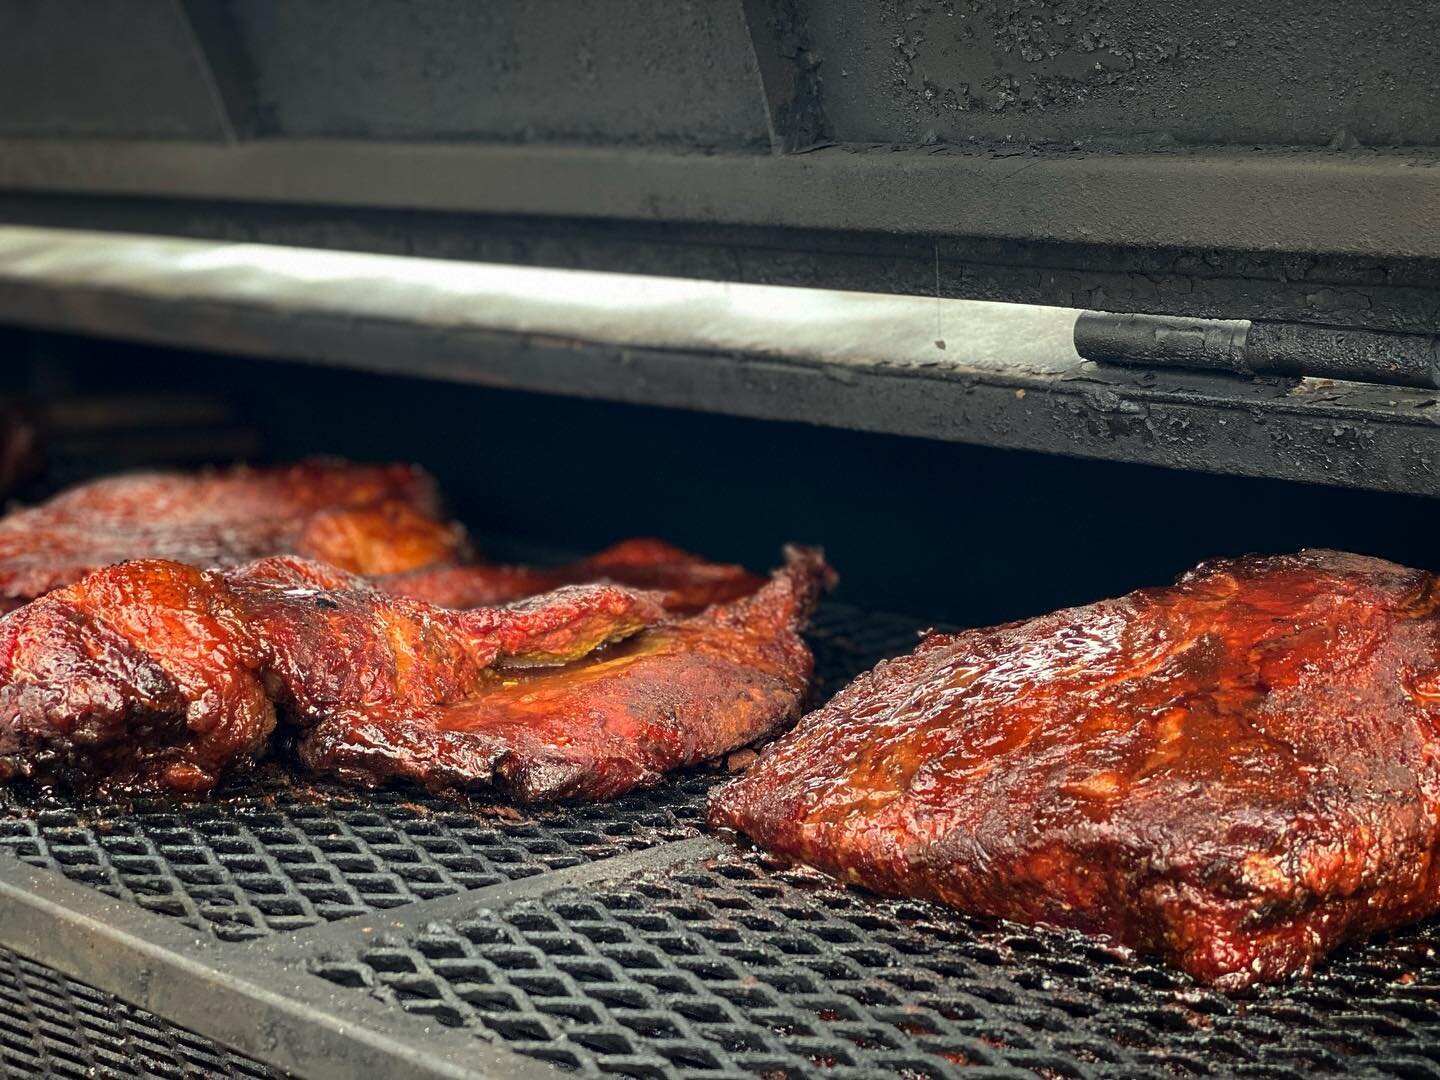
1151,156
1276,164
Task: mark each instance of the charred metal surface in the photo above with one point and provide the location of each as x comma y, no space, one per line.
53,1026
414,917
101,67
1215,344
1139,73
1157,156
276,853
733,966
705,349
1382,293
1376,204
789,73
226,70
1384,439
273,1012
1129,72
1335,353
260,998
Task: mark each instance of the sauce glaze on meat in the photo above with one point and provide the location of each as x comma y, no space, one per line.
1237,772
688,583
369,519
154,674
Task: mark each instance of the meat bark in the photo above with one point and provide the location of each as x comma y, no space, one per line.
369,519
382,521
673,695
1237,773
156,675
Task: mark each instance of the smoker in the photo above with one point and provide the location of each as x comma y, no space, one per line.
1107,289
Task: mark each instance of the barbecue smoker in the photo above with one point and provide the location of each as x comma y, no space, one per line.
265,230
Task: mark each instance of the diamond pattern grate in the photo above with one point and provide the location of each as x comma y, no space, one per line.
734,969
248,865
52,1026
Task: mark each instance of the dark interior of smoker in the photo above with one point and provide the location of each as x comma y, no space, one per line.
962,534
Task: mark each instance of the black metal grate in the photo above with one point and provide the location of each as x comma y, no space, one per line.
847,641
732,969
279,853
52,1026
290,856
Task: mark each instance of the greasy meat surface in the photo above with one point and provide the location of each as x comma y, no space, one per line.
380,519
154,674
688,582
674,694
144,675
1237,772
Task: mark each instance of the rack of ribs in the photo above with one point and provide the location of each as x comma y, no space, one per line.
675,694
382,521
687,582
156,675
1236,773
369,519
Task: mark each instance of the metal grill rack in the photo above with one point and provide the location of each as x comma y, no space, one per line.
54,1026
727,968
293,855
332,931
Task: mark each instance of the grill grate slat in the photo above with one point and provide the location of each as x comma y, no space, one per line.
53,1026
291,856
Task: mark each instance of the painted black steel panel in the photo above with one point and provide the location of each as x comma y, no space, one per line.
622,72
102,67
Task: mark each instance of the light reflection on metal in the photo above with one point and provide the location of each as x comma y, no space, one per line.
583,305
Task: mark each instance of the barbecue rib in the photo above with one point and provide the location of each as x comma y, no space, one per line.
1237,772
156,675
688,582
379,519
672,695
